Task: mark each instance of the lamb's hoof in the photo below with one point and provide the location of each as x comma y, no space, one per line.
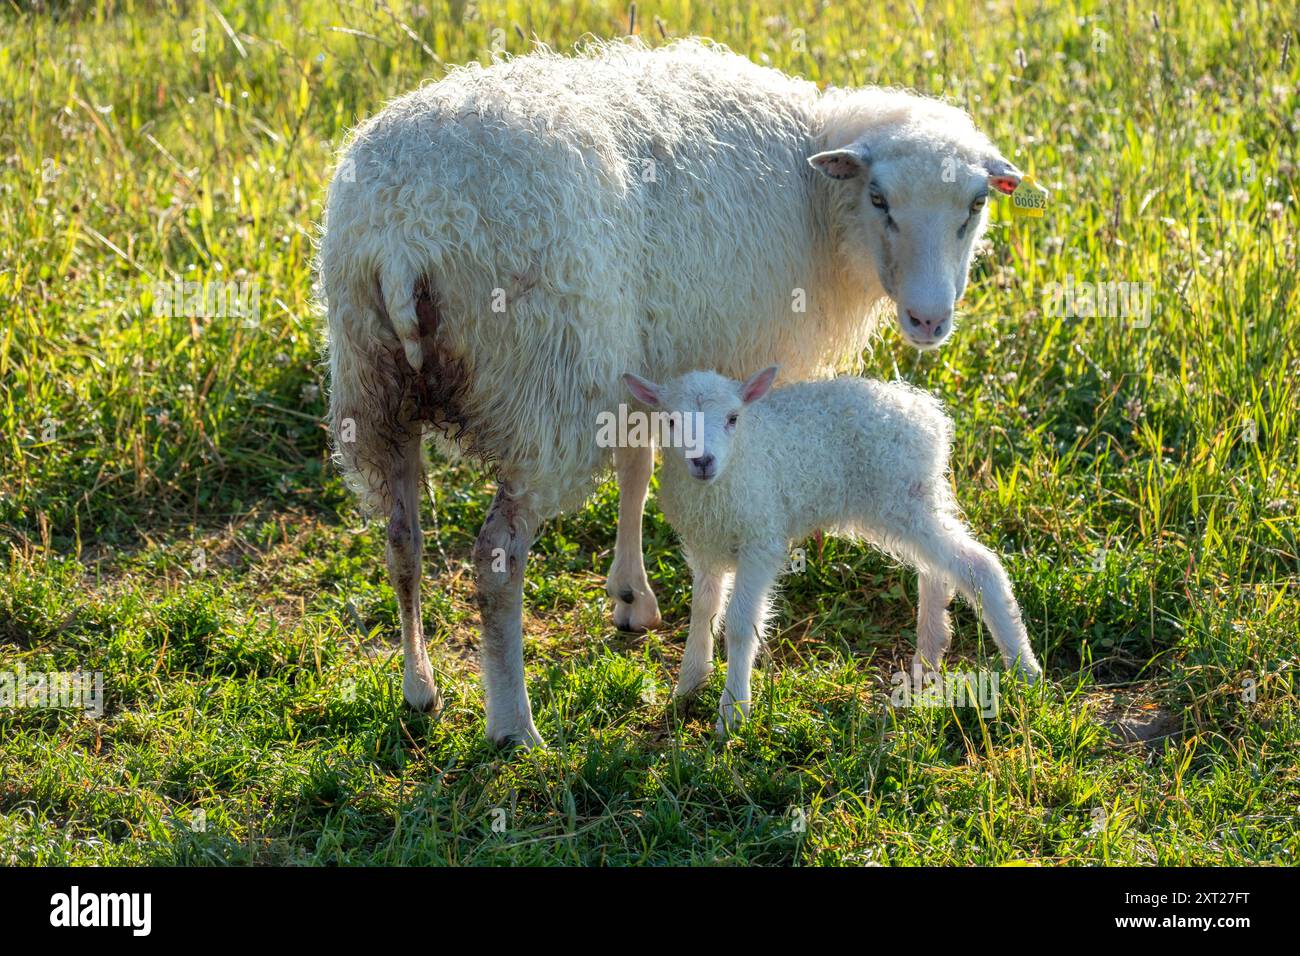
689,685
729,719
1030,671
636,613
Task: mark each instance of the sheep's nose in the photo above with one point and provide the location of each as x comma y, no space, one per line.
703,466
932,323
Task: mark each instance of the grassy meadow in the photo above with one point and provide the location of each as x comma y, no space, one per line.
169,517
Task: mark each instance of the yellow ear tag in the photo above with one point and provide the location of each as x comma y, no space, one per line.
1029,198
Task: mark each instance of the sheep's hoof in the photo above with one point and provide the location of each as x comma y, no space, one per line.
922,666
526,739
729,718
636,613
422,695
432,706
513,730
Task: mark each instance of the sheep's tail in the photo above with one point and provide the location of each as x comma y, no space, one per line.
374,350
398,283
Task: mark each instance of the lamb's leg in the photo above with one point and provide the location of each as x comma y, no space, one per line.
405,544
500,554
947,548
708,595
933,626
635,607
745,620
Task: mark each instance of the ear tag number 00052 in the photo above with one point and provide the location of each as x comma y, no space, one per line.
1029,198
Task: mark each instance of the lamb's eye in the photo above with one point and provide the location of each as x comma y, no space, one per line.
977,205
732,419
878,200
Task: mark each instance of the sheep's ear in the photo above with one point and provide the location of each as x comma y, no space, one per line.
757,387
841,163
1003,176
647,393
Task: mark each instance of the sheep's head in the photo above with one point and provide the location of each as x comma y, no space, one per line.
703,411
914,202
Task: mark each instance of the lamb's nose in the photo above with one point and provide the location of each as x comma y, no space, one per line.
931,322
703,464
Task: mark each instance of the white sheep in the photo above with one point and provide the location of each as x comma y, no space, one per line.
763,471
500,245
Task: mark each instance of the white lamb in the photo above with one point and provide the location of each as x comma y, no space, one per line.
751,475
501,245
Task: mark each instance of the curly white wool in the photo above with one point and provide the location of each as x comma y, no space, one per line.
527,184
501,244
856,457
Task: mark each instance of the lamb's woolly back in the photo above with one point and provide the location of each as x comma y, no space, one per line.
833,455
863,458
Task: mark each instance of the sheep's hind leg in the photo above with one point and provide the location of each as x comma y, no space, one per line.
708,595
933,625
945,547
635,607
405,543
500,555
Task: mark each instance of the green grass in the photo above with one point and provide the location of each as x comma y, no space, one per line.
168,515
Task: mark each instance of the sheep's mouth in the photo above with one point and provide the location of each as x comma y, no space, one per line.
925,345
928,345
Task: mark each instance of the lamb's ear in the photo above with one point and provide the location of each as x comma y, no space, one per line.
646,392
1003,176
757,387
841,163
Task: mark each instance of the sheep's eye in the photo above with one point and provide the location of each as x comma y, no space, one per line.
977,205
732,419
878,200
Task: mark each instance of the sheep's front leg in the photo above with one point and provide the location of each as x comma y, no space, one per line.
405,543
746,617
500,555
635,607
708,595
933,625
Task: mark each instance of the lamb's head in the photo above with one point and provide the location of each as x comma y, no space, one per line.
704,411
912,181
